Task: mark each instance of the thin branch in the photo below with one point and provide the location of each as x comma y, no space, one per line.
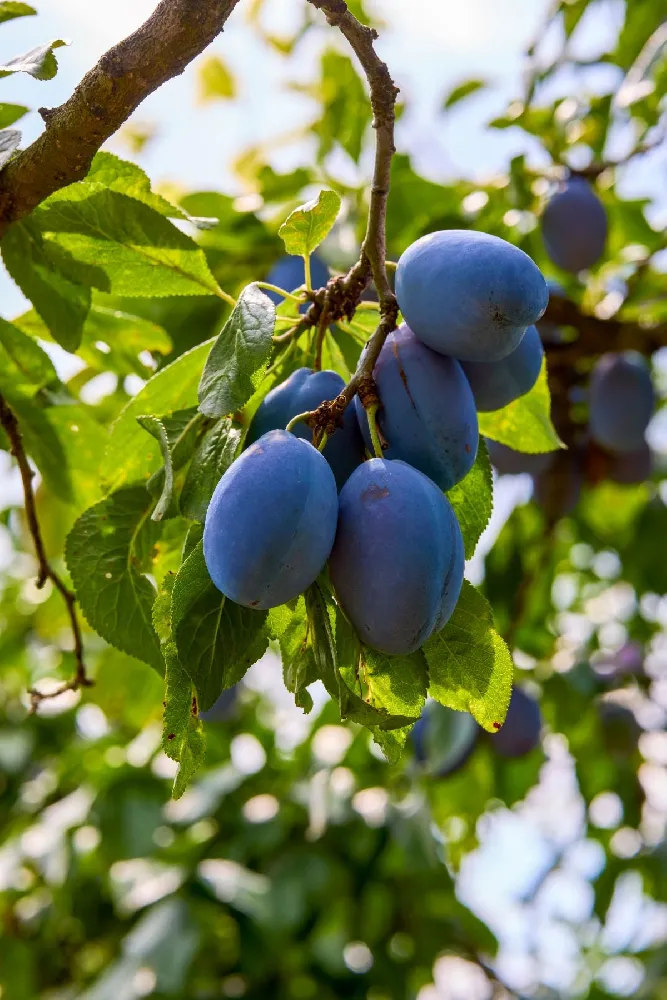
45,571
176,32
341,295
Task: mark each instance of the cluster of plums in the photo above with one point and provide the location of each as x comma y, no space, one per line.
384,526
620,393
443,740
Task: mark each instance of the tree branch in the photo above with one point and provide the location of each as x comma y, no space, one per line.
597,336
45,571
176,32
342,295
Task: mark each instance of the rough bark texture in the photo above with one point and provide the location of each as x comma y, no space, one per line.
176,32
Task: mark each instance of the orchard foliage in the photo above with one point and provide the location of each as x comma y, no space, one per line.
187,548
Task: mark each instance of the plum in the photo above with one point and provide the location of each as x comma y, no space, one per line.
305,390
428,414
574,226
271,522
397,561
521,731
224,708
468,294
509,462
621,401
443,739
289,273
494,384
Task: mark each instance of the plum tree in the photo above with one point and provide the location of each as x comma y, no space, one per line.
509,462
558,487
468,294
574,226
494,384
443,739
428,414
289,273
631,467
271,522
521,732
305,390
621,401
397,561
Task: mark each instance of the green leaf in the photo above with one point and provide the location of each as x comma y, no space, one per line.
340,659
346,110
9,140
10,113
10,9
44,445
461,91
469,664
239,356
111,340
215,80
24,366
129,179
127,458
213,457
183,738
525,424
217,640
166,505
299,668
62,305
472,500
108,551
39,62
306,227
108,240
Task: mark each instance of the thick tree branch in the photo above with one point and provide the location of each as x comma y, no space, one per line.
597,336
176,32
45,571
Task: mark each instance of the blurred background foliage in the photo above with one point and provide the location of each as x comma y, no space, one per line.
300,864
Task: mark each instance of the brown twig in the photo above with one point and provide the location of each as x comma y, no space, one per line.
342,295
45,571
176,32
596,335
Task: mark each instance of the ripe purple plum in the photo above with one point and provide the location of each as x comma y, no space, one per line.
494,384
271,522
428,414
621,401
574,226
443,739
469,295
397,562
305,390
522,728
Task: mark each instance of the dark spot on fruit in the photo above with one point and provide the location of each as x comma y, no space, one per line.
374,492
468,449
253,604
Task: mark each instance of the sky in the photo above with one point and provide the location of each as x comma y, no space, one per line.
430,45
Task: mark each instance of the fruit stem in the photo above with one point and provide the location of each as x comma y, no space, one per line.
322,445
371,416
298,419
280,291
